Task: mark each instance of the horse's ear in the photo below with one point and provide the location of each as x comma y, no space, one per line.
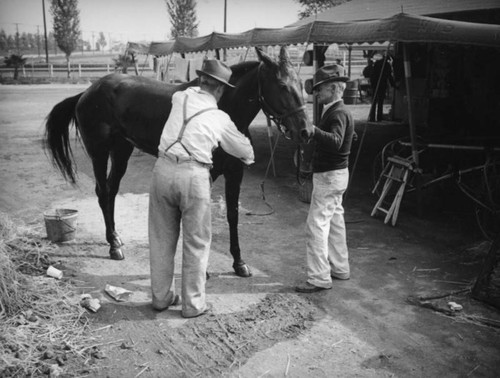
284,60
263,56
284,57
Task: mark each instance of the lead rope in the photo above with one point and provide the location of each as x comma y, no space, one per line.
271,159
262,184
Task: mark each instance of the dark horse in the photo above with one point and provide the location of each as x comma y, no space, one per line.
119,112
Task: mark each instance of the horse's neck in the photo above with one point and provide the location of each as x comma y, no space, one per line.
242,103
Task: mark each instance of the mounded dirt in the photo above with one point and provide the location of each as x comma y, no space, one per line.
369,326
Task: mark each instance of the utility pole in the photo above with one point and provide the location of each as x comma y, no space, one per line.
38,39
45,34
17,40
225,23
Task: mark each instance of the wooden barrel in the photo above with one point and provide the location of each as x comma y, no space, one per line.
351,93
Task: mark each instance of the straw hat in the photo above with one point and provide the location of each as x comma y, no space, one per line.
333,72
217,70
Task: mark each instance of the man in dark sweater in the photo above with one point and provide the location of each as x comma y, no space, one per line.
326,246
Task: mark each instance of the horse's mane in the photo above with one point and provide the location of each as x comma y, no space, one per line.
242,68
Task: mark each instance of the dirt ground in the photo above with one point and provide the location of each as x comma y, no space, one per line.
260,327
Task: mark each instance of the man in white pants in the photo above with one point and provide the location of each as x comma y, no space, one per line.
181,188
326,246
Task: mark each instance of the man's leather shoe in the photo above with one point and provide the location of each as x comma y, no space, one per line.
308,288
175,302
208,309
345,278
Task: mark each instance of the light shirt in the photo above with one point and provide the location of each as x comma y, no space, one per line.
327,106
205,132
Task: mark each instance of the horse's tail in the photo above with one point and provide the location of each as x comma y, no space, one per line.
57,141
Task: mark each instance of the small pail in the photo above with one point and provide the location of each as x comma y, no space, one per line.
61,224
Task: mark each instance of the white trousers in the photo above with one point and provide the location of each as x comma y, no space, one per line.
179,194
326,246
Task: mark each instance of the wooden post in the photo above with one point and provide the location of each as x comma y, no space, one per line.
349,61
316,66
487,286
413,133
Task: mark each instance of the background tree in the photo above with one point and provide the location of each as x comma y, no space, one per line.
123,62
183,18
11,42
66,26
101,41
51,42
15,61
313,7
3,40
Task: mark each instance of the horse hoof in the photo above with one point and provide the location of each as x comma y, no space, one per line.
116,254
242,270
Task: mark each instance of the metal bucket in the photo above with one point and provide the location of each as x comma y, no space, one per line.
61,224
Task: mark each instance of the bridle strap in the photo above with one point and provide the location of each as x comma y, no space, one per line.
269,112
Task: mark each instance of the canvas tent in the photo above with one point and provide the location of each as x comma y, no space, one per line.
401,28
362,10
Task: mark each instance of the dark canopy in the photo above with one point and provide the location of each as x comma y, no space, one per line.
399,28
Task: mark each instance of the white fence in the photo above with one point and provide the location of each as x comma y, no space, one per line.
98,70
58,70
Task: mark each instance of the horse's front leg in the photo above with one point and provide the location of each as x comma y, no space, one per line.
234,177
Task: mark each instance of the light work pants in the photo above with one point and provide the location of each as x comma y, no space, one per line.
179,195
326,246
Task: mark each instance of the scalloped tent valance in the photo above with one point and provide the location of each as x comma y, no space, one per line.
398,28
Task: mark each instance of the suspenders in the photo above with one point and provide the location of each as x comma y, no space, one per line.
184,124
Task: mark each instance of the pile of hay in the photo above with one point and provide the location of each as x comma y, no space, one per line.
43,328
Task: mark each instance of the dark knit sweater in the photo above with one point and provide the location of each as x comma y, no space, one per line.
333,138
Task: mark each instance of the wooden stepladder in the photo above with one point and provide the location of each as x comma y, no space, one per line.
396,171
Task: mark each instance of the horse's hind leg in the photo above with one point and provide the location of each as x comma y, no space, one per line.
120,154
107,187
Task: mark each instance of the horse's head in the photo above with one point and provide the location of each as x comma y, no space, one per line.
280,96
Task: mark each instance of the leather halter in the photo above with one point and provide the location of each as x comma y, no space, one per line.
273,115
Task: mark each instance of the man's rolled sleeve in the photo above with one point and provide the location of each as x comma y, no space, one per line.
237,144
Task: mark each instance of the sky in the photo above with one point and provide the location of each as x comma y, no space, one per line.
148,20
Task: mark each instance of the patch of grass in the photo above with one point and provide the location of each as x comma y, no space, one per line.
43,328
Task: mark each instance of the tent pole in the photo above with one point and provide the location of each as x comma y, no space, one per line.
318,62
413,133
270,138
350,61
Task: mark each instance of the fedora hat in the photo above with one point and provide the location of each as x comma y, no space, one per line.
217,70
333,72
